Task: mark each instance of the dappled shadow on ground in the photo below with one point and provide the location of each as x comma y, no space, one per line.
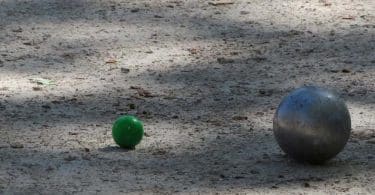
123,27
243,87
218,103
241,160
249,60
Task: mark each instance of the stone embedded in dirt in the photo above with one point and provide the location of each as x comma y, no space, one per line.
332,33
46,106
259,113
223,2
56,102
325,2
214,122
49,168
159,152
244,12
158,16
239,177
18,30
74,99
223,60
111,61
16,145
263,92
134,10
355,92
295,32
345,70
125,70
68,55
259,59
234,53
131,106
348,17
306,185
222,176
239,118
193,50
29,43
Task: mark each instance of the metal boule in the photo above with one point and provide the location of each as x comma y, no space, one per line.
312,124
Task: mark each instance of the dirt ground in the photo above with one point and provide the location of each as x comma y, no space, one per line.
204,77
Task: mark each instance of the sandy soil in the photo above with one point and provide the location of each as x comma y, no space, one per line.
205,78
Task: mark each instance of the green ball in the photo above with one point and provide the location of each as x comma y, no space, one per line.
127,131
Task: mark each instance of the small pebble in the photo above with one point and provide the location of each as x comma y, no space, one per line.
125,70
134,10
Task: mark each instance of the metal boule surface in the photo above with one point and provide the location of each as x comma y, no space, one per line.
312,124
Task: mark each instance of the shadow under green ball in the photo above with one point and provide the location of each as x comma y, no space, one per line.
127,131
